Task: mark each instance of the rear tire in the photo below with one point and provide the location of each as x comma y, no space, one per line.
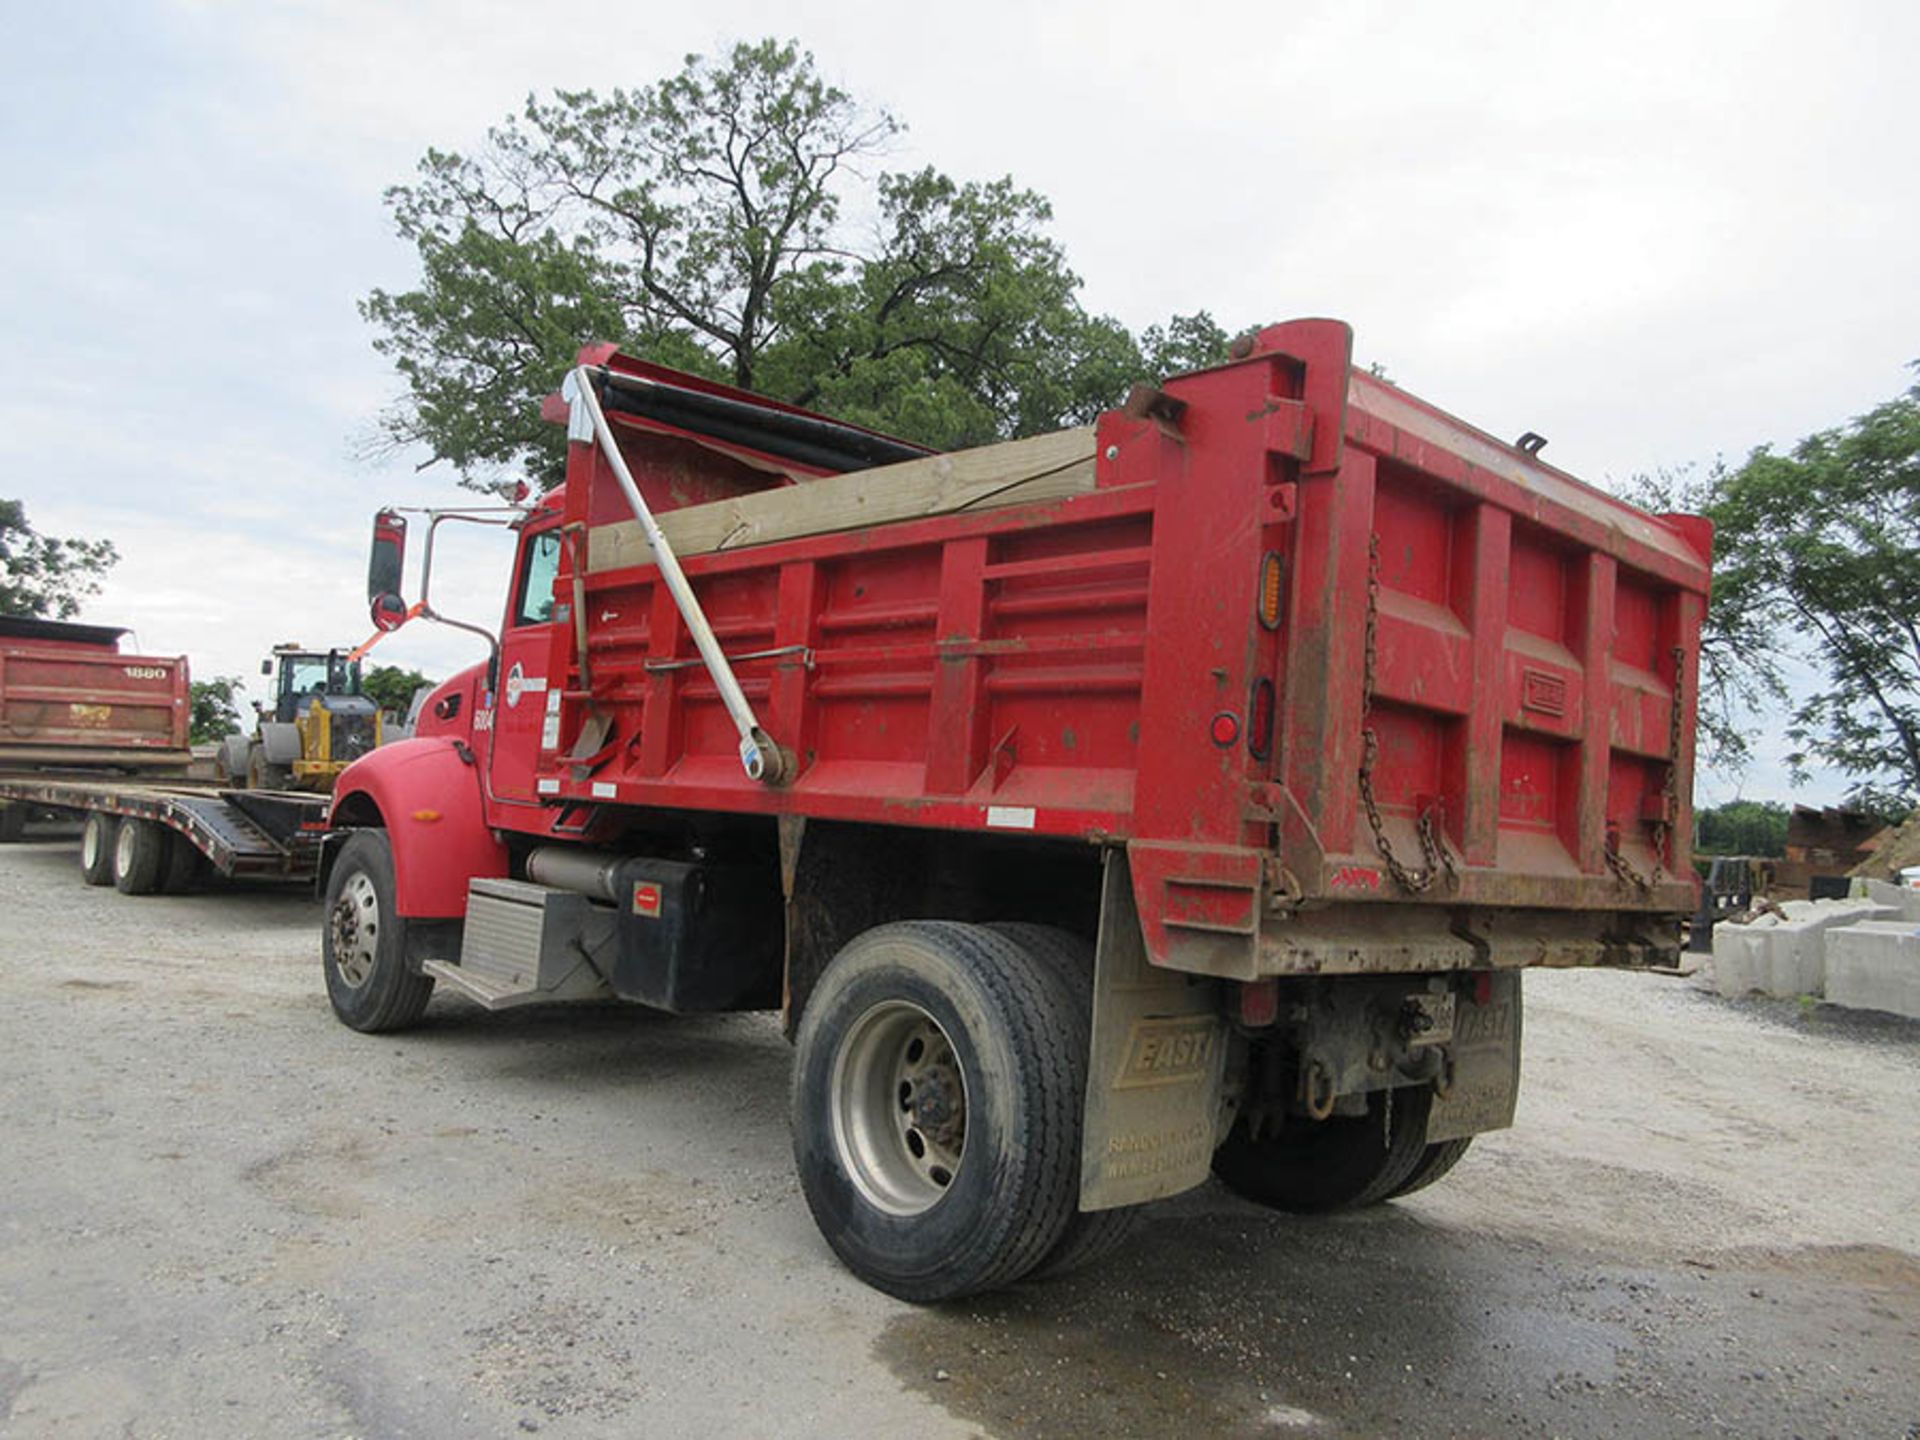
96,848
13,823
1440,1157
182,867
139,856
1314,1167
1090,1234
938,1077
363,941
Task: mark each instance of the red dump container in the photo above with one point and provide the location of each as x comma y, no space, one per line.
70,699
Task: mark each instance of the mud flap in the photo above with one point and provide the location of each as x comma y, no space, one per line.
1486,1065
1154,1075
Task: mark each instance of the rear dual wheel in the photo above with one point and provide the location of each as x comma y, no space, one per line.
1314,1167
939,1074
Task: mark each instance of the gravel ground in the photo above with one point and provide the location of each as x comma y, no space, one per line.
222,1214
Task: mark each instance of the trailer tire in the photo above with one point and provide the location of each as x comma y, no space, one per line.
973,1186
1315,1167
96,848
1090,1234
183,865
1436,1161
363,941
139,856
13,822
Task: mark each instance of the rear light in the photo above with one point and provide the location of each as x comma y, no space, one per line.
1225,728
1272,572
1260,720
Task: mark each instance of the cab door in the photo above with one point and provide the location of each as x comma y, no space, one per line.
527,694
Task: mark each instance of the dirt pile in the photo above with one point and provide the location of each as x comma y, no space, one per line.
1899,848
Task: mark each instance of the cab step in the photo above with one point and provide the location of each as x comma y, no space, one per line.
526,944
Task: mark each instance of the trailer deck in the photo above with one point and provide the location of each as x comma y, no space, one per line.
245,833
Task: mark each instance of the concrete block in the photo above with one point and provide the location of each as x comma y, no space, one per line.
1904,898
1875,966
1788,956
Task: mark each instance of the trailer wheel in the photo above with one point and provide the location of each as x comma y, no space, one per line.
96,848
13,823
182,867
936,1109
139,856
1312,1167
1435,1161
364,941
1090,1234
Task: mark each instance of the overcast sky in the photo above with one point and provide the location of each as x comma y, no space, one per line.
1655,234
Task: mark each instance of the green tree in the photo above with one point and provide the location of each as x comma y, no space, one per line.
45,577
1822,544
699,221
1742,827
216,709
392,688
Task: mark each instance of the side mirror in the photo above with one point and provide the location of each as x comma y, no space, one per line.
387,560
389,612
266,667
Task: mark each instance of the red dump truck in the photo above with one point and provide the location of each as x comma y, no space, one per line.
1181,794
89,731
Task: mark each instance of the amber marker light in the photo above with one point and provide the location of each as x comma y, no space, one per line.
1272,571
426,817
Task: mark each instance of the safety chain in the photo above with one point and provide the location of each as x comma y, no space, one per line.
1662,830
1435,861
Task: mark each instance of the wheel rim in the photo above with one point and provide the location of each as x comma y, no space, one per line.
123,850
899,1108
356,929
90,842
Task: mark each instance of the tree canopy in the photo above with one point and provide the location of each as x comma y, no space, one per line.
722,221
391,687
1817,560
44,577
216,709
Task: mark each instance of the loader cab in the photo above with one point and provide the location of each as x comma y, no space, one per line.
303,675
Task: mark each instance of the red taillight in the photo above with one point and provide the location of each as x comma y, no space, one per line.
1226,728
1260,720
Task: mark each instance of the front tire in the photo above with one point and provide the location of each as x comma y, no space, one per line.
1314,1167
364,941
263,774
139,856
96,848
938,1078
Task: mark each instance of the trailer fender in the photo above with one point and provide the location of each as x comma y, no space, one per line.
427,798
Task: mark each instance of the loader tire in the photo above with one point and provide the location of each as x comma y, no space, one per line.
263,774
938,1078
1314,1167
139,856
96,847
1439,1158
363,941
1091,1235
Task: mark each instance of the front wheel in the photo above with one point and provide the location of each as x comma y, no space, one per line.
938,1075
364,941
1312,1167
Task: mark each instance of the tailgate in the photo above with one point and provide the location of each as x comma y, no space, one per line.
55,701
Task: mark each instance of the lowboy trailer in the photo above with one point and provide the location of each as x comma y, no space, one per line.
87,730
1184,793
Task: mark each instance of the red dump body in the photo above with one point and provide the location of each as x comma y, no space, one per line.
69,698
1099,666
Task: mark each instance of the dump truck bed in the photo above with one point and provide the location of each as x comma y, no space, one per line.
69,697
1299,641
